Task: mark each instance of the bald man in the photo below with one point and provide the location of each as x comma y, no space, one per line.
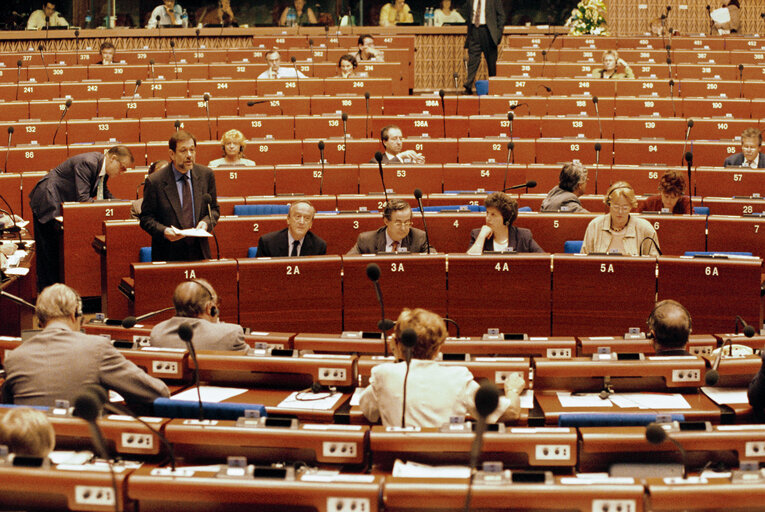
669,324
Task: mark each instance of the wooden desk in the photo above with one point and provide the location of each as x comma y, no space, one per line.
716,494
698,344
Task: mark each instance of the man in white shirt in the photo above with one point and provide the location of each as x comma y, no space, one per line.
37,20
274,61
393,142
169,13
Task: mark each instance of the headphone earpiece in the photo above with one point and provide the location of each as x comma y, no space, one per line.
214,309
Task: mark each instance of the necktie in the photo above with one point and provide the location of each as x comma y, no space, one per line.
100,188
395,246
187,209
477,13
295,247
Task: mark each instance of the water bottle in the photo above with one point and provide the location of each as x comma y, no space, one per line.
185,19
428,16
291,17
431,16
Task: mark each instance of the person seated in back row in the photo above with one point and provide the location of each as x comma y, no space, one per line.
393,141
233,144
610,69
196,304
499,234
750,156
564,197
671,196
397,235
669,327
275,69
46,17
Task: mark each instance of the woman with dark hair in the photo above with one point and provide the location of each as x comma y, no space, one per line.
303,15
346,67
670,196
499,234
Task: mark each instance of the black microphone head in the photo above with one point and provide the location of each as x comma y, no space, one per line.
711,377
310,42
293,59
598,147
689,157
40,47
138,83
344,116
544,52
409,338
172,44
129,321
749,331
378,157
373,271
417,193
19,63
762,15
510,145
197,32
669,8
158,17
663,17
386,324
441,93
68,102
708,7
486,398
77,33
690,123
151,61
668,47
456,75
741,67
594,99
671,82
531,184
177,124
185,332
207,199
251,103
655,434
366,95
669,61
87,406
98,391
510,116
206,97
321,145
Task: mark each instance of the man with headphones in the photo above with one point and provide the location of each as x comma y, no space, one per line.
56,363
196,304
669,325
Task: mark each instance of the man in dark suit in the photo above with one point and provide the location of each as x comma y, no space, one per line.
393,141
174,198
669,326
397,235
81,178
750,156
296,239
485,21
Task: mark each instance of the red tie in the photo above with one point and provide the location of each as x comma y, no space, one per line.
395,246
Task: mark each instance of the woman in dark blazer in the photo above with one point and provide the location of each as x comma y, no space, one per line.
499,234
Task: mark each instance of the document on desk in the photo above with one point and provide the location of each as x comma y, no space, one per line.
567,399
310,401
650,401
209,394
726,396
417,470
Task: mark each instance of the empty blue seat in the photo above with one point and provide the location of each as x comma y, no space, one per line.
261,209
701,210
252,252
572,246
525,209
587,419
481,87
144,255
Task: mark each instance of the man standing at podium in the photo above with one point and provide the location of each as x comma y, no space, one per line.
397,235
179,197
296,239
485,21
81,178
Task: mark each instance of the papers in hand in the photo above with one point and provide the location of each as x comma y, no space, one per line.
200,233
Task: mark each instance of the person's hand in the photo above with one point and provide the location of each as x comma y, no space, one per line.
411,155
514,384
202,225
486,232
621,62
172,234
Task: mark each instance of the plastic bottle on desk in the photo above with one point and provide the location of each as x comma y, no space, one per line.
291,17
185,19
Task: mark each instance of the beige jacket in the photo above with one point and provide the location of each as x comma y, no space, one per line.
598,236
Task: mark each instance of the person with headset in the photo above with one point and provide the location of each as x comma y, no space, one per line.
233,144
196,304
564,197
435,393
57,362
499,234
618,232
669,326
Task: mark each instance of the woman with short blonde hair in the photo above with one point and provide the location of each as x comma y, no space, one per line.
233,143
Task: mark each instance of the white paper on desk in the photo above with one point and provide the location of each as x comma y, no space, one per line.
356,397
583,400
17,271
194,232
650,400
527,399
726,396
416,470
209,394
311,401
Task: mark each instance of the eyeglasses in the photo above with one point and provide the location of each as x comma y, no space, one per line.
618,208
402,223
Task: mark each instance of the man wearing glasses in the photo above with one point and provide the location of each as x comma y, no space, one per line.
397,235
81,178
275,69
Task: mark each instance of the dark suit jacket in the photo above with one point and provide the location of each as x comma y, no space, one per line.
520,239
386,160
161,209
75,179
738,159
372,242
495,20
277,244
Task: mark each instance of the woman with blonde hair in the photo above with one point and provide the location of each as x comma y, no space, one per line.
233,143
610,69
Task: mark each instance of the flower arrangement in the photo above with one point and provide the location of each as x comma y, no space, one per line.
588,18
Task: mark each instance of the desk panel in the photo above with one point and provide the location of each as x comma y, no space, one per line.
736,234
401,178
122,240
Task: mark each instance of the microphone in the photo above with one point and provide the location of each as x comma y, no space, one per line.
672,96
258,102
151,68
510,155
175,63
517,105
207,199
544,63
177,125
326,35
441,93
15,228
486,400
597,113
549,90
127,107
10,136
63,114
740,80
297,76
87,405
748,329
321,159
40,47
528,184
206,97
689,124
366,121
456,77
655,434
379,157
77,46
598,147
344,116
713,375
19,63
408,340
451,321
669,65
510,117
159,25
47,24
373,273
689,159
17,300
129,321
640,252
418,196
186,333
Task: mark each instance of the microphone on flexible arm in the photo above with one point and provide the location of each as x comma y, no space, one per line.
159,25
326,35
207,199
689,159
510,118
529,184
544,63
518,105
748,330
366,120
19,63
175,62
10,136
486,401
418,196
653,241
186,333
67,104
42,57
408,340
655,434
15,228
597,113
452,321
87,405
713,376
510,156
379,157
77,46
321,159
135,90
689,125
373,273
297,76
313,65
151,68
456,77
669,67
344,117
672,96
258,102
711,21
740,80
47,25
206,98
598,147
129,321
441,93
177,125
17,300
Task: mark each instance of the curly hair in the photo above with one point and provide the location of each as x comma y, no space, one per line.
506,205
672,183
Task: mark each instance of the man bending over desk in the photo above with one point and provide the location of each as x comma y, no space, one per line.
196,304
